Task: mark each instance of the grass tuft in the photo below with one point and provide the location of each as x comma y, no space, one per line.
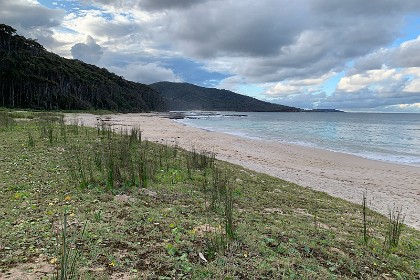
6,121
395,226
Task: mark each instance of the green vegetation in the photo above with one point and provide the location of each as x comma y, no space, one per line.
31,77
184,97
93,204
395,227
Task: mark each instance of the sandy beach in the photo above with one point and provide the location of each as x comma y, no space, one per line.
340,175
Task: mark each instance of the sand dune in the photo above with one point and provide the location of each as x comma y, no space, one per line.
340,175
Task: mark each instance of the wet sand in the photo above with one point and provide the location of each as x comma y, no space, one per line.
341,175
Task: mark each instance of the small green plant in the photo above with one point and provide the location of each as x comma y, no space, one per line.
97,216
68,256
135,136
216,243
221,196
31,140
394,228
171,249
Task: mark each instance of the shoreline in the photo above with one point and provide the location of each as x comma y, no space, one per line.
341,175
403,163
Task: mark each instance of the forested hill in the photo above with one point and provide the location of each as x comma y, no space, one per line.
32,77
184,97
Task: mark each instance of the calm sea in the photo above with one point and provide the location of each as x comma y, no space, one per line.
385,137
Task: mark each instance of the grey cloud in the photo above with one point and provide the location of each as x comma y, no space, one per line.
43,35
167,4
375,60
114,30
317,51
405,55
363,7
89,52
263,41
120,60
281,68
247,28
145,73
137,67
30,20
21,13
151,5
278,39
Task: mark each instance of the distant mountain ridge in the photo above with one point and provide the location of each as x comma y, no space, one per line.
185,97
32,77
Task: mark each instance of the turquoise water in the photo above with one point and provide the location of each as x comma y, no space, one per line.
385,137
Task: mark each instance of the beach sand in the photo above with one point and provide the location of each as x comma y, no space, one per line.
340,175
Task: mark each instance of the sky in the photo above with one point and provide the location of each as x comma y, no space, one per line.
353,55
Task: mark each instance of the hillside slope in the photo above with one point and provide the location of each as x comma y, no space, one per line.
32,77
184,96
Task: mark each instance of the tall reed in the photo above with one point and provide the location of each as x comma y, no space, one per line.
364,211
69,256
228,214
394,228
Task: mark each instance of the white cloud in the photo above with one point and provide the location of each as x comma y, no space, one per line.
313,81
371,90
369,78
108,26
283,89
404,106
311,85
413,71
231,83
413,80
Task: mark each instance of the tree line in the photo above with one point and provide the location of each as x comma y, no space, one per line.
32,77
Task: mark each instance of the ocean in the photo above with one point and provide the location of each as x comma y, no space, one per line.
385,137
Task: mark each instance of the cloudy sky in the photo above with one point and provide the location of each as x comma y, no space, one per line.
358,55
